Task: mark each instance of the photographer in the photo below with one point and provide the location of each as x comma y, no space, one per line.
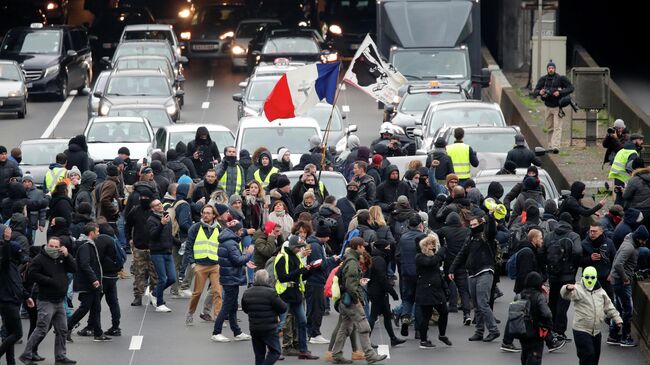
614,140
554,89
388,144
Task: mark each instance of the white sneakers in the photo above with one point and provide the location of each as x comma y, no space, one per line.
185,293
220,338
152,298
319,340
163,309
242,337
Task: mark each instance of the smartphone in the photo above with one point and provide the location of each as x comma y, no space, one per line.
267,199
317,263
144,161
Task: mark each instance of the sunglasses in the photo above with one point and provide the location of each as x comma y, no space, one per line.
590,277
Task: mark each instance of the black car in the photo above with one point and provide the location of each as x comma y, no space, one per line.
55,59
107,28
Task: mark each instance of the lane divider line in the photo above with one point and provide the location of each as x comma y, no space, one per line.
58,116
210,83
136,343
205,105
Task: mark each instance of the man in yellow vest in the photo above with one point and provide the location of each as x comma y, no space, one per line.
264,169
56,172
290,274
202,247
230,175
621,170
463,157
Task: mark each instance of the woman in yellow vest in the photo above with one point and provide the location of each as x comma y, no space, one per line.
265,169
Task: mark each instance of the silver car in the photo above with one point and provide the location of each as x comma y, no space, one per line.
415,100
38,154
321,113
152,32
154,113
485,177
245,32
93,101
13,91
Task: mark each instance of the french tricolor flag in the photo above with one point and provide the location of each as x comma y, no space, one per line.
300,89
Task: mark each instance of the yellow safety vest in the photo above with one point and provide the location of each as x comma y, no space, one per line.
206,248
459,154
321,187
240,179
282,287
265,182
618,170
53,176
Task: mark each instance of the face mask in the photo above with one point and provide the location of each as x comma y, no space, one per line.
231,160
477,230
352,194
54,253
589,277
616,219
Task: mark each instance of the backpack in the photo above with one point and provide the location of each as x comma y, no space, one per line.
350,235
511,265
520,320
558,255
120,253
332,289
399,228
176,228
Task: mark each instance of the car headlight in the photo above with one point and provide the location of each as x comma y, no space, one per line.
51,70
186,36
171,109
335,29
228,34
15,93
185,13
238,50
332,57
302,23
51,6
104,109
250,112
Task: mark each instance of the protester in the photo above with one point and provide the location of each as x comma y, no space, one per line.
161,242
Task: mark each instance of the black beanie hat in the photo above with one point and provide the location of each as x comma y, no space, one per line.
3,149
111,170
172,155
323,230
124,151
282,181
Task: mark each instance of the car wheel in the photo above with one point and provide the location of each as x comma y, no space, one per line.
21,114
63,91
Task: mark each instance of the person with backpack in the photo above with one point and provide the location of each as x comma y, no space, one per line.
330,213
573,206
562,252
532,191
599,251
591,305
407,269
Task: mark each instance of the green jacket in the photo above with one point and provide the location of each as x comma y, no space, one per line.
352,276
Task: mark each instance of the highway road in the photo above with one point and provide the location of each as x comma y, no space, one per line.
165,338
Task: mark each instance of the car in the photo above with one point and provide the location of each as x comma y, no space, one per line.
334,181
484,177
106,135
277,67
106,29
148,86
153,63
293,133
99,85
321,113
169,136
256,89
256,45
156,114
346,23
38,154
416,98
246,31
209,31
145,48
165,11
458,114
55,58
13,91
152,32
491,144
442,64
293,47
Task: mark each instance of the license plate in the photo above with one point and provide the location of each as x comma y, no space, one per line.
205,47
354,47
107,45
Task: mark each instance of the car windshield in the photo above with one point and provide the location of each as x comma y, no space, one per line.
259,90
219,16
418,103
432,64
42,42
292,45
157,117
322,114
163,35
221,138
146,64
118,132
138,86
9,72
296,139
335,184
492,142
100,82
249,30
458,117
126,49
41,153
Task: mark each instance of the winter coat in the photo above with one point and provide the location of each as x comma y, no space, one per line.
445,167
637,190
106,250
302,208
591,308
351,274
553,83
453,237
516,190
136,227
569,270
625,261
186,159
61,206
51,275
107,197
263,306
37,217
77,154
523,157
407,250
209,151
232,260
300,188
479,252
89,267
8,169
85,189
18,224
575,208
178,168
79,222
347,209
284,220
379,286
11,284
293,293
203,190
629,223
265,247
319,274
231,172
603,246
162,183
389,190
540,312
431,286
191,238
367,188
254,212
161,239
527,261
337,235
520,202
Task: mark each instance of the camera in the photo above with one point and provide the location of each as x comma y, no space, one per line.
611,130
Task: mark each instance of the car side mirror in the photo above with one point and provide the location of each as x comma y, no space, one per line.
237,97
98,94
540,151
180,93
72,53
85,91
183,60
417,132
243,84
105,61
483,79
351,129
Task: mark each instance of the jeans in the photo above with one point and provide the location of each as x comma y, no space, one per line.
229,310
164,266
90,302
559,306
10,314
587,347
178,259
408,295
263,341
625,307
460,287
315,299
298,311
427,310
109,286
531,351
480,287
49,314
121,236
69,296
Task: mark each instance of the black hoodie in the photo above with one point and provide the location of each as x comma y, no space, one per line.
208,150
85,188
573,206
51,275
452,236
181,149
389,190
77,153
379,286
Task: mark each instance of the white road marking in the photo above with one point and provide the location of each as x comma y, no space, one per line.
58,116
210,83
345,108
136,343
383,350
205,105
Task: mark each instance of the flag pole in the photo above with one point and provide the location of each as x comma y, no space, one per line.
328,127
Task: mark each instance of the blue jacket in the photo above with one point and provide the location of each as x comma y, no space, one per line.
231,259
408,249
318,275
628,225
346,206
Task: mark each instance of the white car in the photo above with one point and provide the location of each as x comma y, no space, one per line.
293,134
105,135
169,136
334,181
485,177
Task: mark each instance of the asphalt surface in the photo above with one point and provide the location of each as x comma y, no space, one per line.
165,338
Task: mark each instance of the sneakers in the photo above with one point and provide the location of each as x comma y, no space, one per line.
376,358
476,337
115,332
163,309
491,337
26,361
613,341
189,319
319,340
628,342
36,357
307,356
152,298
186,293
445,340
243,337
102,338
394,342
556,344
467,321
219,338
137,302
341,360
404,331
427,345
86,332
509,347
358,355
206,317
64,361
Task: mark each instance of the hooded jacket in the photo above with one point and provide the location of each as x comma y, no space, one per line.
232,260
85,188
528,260
136,226
162,182
300,188
16,193
338,232
453,237
77,153
61,206
36,217
263,306
281,164
520,202
107,197
637,190
11,287
445,167
18,224
574,207
523,157
430,286
208,150
631,220
8,169
191,238
379,286
293,293
570,268
591,308
367,188
89,267
389,190
183,211
318,274
266,246
625,261
51,275
540,313
105,244
479,253
407,250
181,150
263,170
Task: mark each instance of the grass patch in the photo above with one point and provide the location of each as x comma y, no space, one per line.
564,153
530,103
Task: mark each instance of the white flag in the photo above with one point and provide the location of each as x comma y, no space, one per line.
372,75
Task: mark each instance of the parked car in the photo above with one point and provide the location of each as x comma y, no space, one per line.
168,137
38,154
106,135
13,91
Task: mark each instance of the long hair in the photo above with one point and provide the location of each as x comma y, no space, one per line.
376,216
